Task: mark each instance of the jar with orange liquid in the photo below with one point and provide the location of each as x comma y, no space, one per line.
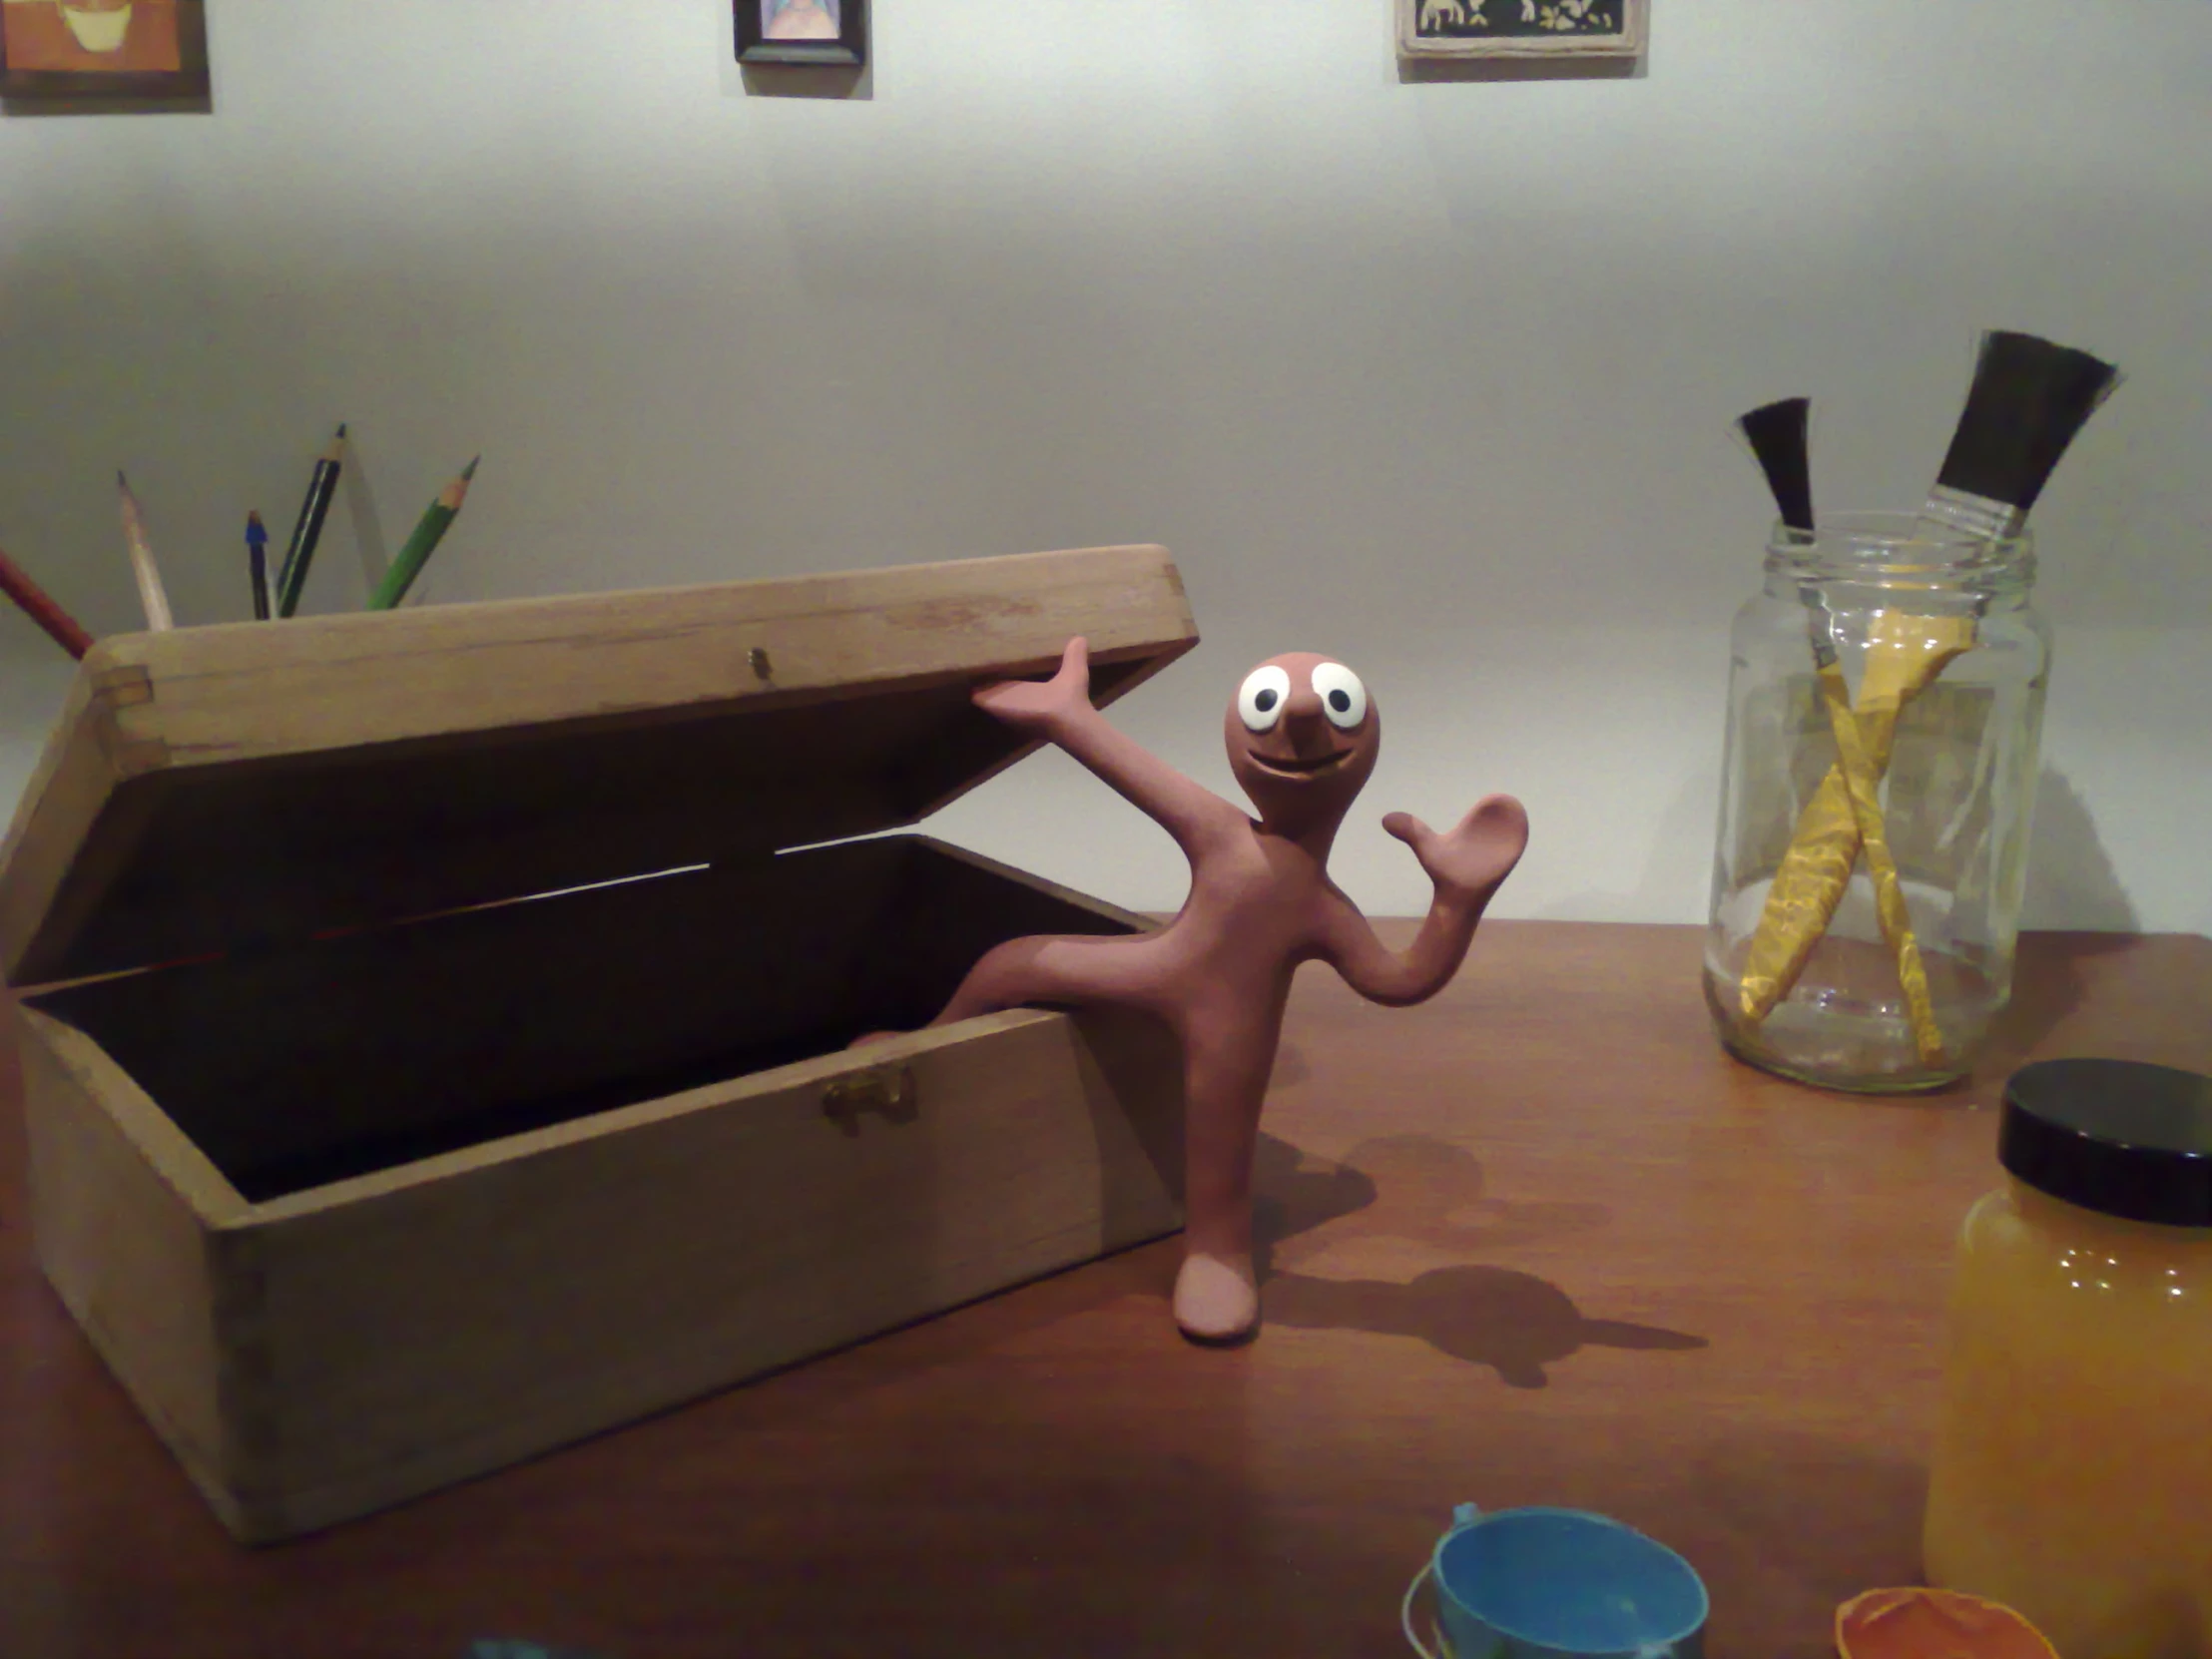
2072,1473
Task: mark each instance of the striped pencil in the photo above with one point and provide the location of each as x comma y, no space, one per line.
149,574
41,607
257,564
412,557
292,575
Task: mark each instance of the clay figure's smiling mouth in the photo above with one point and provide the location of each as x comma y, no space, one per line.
1298,766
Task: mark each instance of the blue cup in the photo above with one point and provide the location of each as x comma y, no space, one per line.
1559,1585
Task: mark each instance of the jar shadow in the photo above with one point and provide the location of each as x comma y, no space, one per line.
2075,898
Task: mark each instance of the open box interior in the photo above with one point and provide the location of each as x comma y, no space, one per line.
298,1065
186,861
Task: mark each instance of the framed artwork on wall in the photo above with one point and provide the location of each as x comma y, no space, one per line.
1521,28
803,31
154,51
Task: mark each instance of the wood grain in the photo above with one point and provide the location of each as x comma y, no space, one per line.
216,788
422,1325
123,1245
1537,1241
420,1201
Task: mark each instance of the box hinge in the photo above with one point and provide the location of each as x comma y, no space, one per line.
885,1090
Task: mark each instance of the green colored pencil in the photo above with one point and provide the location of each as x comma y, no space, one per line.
412,557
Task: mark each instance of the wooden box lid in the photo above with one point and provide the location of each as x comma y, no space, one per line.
211,789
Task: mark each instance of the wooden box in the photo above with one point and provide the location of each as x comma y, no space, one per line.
433,1054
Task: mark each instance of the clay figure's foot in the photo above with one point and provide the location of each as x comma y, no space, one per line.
1216,1298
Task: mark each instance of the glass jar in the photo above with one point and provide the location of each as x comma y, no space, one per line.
2073,1472
1876,966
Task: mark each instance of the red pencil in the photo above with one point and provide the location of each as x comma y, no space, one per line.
40,607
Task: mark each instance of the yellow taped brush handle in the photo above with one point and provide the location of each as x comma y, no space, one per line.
1888,892
1805,891
1906,651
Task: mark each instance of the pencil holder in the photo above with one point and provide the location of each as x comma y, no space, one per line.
1884,711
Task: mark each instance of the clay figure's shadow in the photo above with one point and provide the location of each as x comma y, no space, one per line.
1427,1192
1515,1323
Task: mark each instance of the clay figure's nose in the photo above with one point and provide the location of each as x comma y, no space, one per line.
1304,723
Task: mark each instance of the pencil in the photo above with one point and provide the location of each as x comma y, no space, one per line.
412,557
257,563
142,560
292,575
41,607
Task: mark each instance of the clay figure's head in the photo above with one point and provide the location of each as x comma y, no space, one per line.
1303,737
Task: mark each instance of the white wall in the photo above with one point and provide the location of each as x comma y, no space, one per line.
1434,376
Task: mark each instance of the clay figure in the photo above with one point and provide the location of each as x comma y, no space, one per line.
1303,737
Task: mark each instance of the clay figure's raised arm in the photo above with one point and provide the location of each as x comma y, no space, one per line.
1467,866
1060,710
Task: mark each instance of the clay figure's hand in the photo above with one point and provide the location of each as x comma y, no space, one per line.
1473,858
1042,706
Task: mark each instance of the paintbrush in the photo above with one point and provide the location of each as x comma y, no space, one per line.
1776,436
2028,401
1844,819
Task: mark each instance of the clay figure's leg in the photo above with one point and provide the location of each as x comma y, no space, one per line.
1225,1082
1065,969
1061,969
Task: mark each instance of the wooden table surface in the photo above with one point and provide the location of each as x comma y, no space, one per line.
1537,1242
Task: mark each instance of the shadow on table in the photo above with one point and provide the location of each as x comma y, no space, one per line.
1428,1192
1294,1195
1515,1323
2073,896
2049,984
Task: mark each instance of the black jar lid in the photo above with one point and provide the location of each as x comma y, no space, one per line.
2120,1137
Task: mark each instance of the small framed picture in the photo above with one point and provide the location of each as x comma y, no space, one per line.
1521,28
803,31
154,51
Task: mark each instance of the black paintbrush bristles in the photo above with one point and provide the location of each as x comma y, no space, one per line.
1776,436
2028,399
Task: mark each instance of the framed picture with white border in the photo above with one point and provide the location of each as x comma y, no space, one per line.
1521,28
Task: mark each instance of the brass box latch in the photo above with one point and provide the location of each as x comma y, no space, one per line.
888,1090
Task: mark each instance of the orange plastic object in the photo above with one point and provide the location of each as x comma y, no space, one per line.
1917,1623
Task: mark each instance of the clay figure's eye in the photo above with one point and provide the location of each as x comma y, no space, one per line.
1261,698
1343,699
